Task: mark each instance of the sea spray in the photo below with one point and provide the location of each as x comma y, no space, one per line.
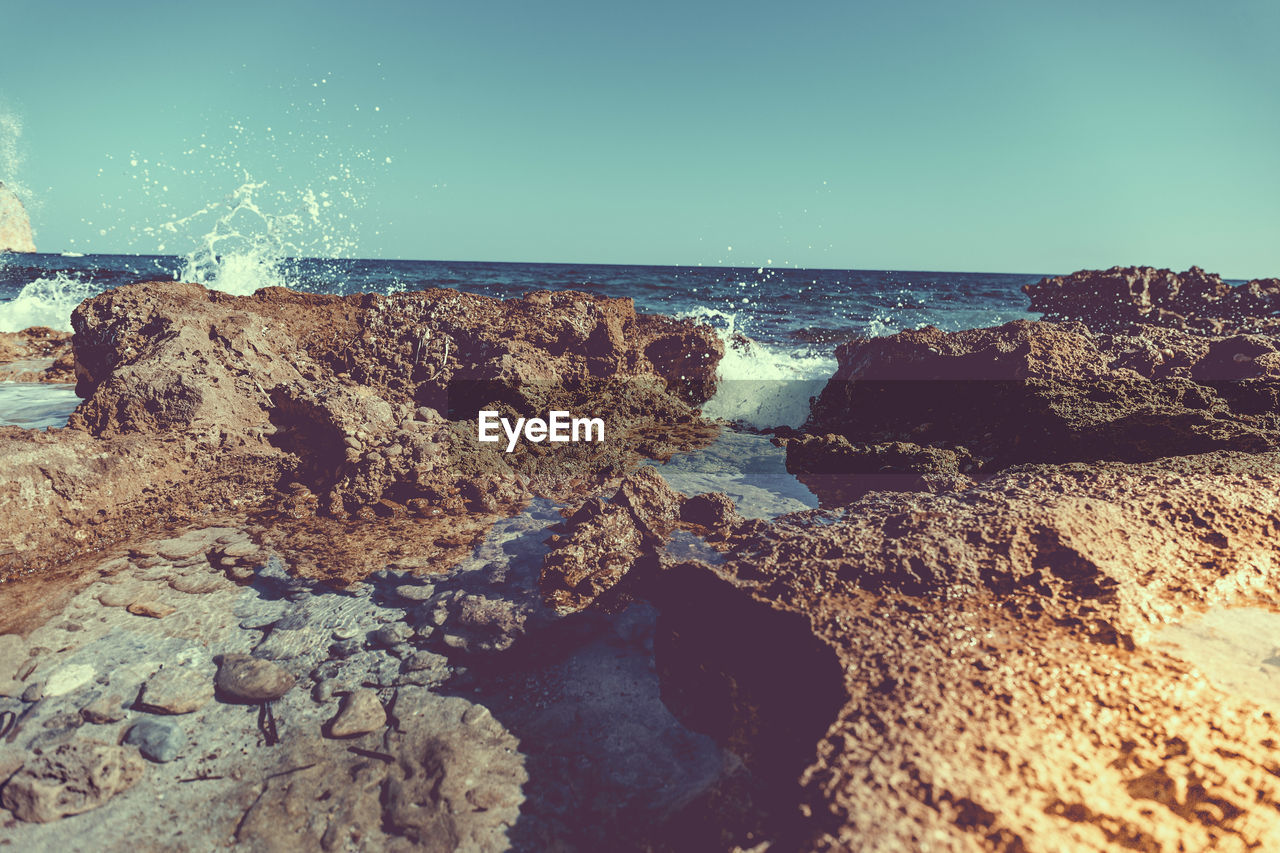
47,301
761,386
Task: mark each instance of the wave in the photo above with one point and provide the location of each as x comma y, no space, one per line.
761,386
46,302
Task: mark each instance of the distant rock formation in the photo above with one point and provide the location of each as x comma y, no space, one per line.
15,227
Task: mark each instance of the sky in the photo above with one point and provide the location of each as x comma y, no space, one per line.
1026,137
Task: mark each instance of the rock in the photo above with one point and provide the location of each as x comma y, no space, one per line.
241,550
15,227
71,779
1033,392
361,712
603,539
34,692
122,595
199,583
248,679
176,690
1120,298
153,609
988,646
391,634
159,740
105,709
147,392
714,511
68,678
415,591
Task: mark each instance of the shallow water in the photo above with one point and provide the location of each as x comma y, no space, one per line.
36,405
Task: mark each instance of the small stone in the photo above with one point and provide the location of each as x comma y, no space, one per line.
415,591
439,616
474,715
241,550
420,661
345,648
249,679
33,693
353,442
153,609
240,573
323,691
427,414
68,678
158,740
119,596
394,450
107,708
71,779
180,548
346,632
200,583
361,712
391,634
176,690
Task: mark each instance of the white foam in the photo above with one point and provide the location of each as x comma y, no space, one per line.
45,302
761,386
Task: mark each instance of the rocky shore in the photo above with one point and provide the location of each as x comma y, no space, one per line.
266,588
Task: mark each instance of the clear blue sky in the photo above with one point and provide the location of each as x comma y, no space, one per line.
1000,136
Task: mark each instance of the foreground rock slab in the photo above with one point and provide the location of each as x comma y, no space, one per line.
72,779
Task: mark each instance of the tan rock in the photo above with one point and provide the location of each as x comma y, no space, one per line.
71,779
361,712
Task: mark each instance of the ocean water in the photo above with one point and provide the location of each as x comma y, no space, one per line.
781,326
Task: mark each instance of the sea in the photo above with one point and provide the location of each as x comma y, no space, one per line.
781,325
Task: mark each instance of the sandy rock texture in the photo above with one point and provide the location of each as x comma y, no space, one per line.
1122,297
319,407
38,354
968,670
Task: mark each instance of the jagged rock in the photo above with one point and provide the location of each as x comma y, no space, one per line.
249,679
1120,298
969,669
604,538
198,400
361,712
15,227
176,690
1040,392
71,779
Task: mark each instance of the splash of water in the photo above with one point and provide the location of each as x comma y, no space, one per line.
45,302
761,386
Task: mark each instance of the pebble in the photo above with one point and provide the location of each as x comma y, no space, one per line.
107,708
250,679
415,591
68,678
240,549
391,634
361,712
158,740
176,690
33,693
154,609
240,573
345,648
197,584
323,691
118,596
180,548
420,661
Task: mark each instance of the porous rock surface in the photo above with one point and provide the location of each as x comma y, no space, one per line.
1120,298
967,670
339,407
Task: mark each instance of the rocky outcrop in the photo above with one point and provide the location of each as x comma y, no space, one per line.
936,405
38,354
15,227
341,407
968,670
1122,297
